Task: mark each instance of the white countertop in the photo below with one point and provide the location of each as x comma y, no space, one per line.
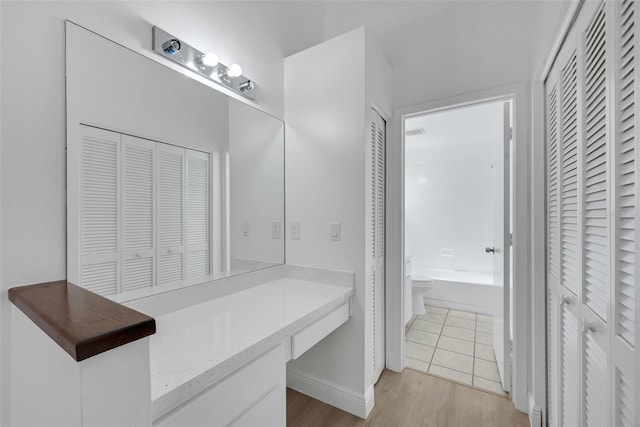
199,345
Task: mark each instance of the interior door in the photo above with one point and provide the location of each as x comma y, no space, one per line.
501,253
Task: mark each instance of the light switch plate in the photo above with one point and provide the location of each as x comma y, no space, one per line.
276,229
335,231
294,230
245,229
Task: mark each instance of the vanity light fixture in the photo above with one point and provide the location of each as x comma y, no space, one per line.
204,63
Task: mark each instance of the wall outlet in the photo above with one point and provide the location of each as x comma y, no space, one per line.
276,229
446,252
245,229
294,230
335,231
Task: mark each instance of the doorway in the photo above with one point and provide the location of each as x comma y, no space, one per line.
457,235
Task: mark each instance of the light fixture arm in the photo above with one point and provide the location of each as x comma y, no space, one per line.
189,57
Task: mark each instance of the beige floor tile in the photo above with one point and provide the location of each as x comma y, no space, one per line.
484,327
485,369
436,310
484,318
485,352
483,338
451,374
455,344
460,323
418,351
460,333
416,364
449,359
422,337
488,385
462,314
425,325
432,317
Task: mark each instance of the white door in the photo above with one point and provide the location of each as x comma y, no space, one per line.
375,241
501,253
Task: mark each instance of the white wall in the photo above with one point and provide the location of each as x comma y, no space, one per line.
442,48
33,228
256,156
449,187
325,115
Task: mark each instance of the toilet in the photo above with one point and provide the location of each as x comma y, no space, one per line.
418,290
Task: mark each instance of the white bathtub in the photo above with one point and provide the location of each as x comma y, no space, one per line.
460,290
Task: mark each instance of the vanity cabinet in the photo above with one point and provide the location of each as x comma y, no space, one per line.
255,394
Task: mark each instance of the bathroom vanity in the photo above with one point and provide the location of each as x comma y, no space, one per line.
224,359
221,361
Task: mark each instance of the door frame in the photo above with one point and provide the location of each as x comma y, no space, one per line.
519,94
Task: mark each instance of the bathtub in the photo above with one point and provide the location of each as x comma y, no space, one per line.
460,290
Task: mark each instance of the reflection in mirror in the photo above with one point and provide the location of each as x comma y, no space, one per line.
169,182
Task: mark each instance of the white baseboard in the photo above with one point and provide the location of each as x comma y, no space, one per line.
535,414
332,394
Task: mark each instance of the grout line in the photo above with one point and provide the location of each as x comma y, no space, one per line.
473,374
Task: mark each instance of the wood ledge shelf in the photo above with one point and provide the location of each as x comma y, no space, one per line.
83,323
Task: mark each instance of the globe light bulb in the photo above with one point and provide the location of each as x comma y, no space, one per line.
234,71
210,59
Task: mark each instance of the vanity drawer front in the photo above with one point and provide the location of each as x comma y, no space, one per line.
234,396
270,411
309,336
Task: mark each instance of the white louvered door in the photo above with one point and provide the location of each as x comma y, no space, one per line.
99,206
197,200
625,370
594,178
553,245
171,215
143,213
138,210
592,226
375,244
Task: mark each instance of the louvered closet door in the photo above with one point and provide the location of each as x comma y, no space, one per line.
626,276
198,258
171,214
598,323
99,210
375,242
138,211
553,245
594,173
380,243
569,415
569,244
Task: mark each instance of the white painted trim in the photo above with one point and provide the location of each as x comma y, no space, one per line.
395,225
332,394
567,24
535,415
538,335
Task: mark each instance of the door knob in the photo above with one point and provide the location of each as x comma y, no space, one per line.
489,250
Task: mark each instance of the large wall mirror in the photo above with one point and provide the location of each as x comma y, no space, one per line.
170,183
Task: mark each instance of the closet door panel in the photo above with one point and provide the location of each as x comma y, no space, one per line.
569,243
197,201
171,214
626,258
99,210
552,106
569,356
594,176
138,190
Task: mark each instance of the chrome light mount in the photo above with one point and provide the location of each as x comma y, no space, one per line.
178,51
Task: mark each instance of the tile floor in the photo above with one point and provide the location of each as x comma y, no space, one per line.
455,345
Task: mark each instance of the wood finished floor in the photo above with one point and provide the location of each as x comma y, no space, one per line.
412,399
